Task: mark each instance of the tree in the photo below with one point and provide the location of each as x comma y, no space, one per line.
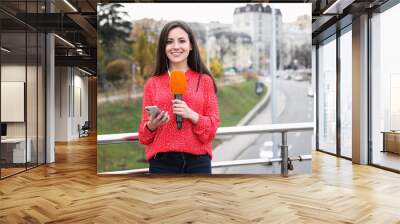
121,49
144,55
224,45
302,54
111,24
101,64
216,68
117,71
203,54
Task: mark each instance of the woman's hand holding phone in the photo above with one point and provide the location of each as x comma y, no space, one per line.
157,119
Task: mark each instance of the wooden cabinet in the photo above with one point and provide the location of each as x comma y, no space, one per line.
391,141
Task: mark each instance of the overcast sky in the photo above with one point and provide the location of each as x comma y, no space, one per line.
206,12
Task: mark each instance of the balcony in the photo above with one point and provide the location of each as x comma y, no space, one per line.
285,161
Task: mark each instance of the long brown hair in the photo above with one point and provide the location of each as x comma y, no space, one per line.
194,59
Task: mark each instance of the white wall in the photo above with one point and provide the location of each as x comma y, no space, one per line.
12,73
33,125
61,103
71,94
12,101
80,94
50,94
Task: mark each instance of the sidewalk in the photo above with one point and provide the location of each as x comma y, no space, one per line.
113,98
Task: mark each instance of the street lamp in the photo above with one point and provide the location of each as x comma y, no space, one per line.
207,48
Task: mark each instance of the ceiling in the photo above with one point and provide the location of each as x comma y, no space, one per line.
75,43
332,15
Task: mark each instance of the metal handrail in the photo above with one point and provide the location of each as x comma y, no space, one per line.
250,129
218,164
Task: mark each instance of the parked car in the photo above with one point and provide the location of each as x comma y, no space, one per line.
298,77
266,150
287,76
310,92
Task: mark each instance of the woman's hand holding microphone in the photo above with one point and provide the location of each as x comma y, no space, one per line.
180,108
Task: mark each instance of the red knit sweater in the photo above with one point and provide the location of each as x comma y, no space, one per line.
192,138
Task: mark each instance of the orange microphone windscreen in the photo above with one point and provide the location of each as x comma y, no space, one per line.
177,82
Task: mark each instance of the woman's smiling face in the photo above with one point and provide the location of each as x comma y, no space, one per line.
178,46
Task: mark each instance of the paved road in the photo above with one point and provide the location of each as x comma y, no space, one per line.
293,105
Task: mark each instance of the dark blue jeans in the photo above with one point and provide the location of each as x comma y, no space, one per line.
180,163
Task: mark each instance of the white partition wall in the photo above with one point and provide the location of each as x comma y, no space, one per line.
13,80
71,102
22,100
12,100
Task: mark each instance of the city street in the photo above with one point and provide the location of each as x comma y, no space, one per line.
293,105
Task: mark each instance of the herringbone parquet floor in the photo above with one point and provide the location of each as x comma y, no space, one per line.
69,191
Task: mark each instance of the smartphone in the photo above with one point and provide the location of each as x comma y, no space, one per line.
152,110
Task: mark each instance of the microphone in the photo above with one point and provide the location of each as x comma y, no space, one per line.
177,84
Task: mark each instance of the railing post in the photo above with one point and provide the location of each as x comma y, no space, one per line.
284,155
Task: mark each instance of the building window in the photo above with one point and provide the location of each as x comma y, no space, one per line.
327,96
346,94
385,88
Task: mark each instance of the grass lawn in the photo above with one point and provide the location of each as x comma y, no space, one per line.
124,116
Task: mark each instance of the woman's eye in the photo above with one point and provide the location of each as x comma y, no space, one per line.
169,41
182,41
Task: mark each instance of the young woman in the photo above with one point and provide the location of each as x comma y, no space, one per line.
189,149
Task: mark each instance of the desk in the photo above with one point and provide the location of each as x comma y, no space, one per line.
15,148
391,141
